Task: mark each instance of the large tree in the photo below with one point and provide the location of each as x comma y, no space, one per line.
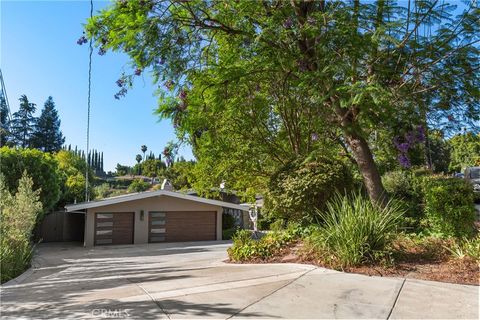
23,123
264,73
4,122
47,135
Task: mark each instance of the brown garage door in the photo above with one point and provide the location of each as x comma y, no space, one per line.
182,226
114,228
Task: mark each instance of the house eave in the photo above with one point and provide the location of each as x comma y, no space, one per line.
150,194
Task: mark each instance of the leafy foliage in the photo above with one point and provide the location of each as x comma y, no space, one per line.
138,185
71,170
297,191
152,167
18,214
407,189
465,151
449,206
245,248
41,167
466,248
251,83
354,231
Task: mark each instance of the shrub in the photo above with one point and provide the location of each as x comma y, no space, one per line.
228,221
101,191
227,234
277,225
449,206
18,214
138,185
354,231
40,166
302,187
245,248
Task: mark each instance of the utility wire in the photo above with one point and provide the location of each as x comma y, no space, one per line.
87,193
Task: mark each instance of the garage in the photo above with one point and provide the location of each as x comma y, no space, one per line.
152,217
114,228
182,226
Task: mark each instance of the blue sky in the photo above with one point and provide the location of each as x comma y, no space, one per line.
39,57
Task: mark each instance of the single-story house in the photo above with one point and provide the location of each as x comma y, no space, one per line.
152,216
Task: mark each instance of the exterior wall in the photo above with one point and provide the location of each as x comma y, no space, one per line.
161,203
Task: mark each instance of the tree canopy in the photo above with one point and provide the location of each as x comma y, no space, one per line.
47,135
254,84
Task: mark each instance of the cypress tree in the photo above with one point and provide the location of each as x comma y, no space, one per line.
23,123
101,162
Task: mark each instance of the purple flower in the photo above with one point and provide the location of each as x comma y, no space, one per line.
314,136
410,137
161,61
120,82
420,133
101,51
82,40
138,71
120,93
169,84
403,147
287,24
183,95
404,161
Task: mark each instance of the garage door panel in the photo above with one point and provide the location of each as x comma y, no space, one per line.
182,226
114,228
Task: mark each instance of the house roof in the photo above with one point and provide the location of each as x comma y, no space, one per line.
149,194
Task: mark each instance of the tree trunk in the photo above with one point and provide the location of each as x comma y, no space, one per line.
371,177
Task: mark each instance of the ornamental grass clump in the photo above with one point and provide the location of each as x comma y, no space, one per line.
354,231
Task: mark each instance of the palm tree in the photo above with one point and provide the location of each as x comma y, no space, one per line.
139,159
144,149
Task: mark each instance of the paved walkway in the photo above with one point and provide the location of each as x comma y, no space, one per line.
189,280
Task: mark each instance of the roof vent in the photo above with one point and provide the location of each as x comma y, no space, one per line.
167,185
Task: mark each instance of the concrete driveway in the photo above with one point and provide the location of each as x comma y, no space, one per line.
189,280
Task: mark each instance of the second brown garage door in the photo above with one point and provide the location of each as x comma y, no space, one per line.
182,226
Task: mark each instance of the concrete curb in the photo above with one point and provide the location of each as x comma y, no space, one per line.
19,279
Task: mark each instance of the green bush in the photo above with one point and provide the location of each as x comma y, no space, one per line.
40,166
449,206
245,248
354,231
227,234
138,185
228,221
406,188
302,187
101,191
18,214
